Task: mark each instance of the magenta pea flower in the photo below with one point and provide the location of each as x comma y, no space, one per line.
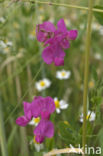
56,43
42,106
44,129
24,120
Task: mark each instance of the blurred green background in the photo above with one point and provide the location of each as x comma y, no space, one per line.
21,66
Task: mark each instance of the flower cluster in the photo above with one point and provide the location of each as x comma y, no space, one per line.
38,112
42,108
55,40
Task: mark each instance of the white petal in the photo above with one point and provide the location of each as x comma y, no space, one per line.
39,87
92,116
55,99
38,147
64,106
31,122
81,119
47,82
9,43
58,110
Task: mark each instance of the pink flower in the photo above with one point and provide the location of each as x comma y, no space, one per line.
44,129
42,106
39,107
24,120
56,43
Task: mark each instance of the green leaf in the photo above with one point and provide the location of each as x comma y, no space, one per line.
67,133
99,15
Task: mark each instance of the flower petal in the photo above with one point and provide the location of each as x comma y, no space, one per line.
48,105
61,25
72,34
22,121
36,106
48,26
65,44
39,138
44,31
65,106
59,61
44,129
58,110
27,110
47,55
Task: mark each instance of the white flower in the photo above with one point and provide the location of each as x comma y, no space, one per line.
90,116
60,105
63,74
37,146
2,20
43,84
9,43
34,121
97,56
2,44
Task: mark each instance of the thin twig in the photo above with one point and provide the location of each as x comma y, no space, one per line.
65,150
55,4
63,5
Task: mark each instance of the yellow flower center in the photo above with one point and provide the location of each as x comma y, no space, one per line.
91,84
42,83
87,117
37,120
57,105
34,141
63,73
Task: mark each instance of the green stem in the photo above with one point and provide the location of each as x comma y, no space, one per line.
2,134
63,5
86,71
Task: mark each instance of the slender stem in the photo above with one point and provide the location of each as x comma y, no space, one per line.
86,71
29,75
23,136
56,4
2,134
63,5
